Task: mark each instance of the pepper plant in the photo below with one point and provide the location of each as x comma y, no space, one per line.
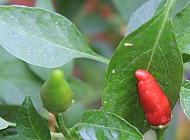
156,40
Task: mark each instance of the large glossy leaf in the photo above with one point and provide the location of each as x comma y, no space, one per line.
41,37
29,124
185,98
16,80
152,47
181,24
143,14
98,125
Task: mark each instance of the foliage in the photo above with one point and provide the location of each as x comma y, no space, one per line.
40,40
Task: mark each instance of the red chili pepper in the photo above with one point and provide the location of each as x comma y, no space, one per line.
153,101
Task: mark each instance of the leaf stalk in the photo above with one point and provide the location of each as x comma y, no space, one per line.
61,124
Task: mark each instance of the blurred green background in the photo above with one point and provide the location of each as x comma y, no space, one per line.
103,24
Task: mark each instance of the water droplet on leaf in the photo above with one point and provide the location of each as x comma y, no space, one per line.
113,71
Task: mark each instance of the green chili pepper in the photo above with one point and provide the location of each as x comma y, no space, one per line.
56,94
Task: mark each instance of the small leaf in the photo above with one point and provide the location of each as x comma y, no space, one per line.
29,124
41,37
182,23
153,48
185,98
98,125
3,124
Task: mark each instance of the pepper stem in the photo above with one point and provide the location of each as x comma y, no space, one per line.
160,134
61,124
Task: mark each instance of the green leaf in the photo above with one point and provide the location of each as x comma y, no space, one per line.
3,124
9,112
74,114
29,124
180,4
143,14
14,137
41,37
126,7
81,89
181,24
185,98
15,77
69,8
98,125
152,47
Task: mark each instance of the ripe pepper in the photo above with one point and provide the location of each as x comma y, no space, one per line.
153,101
55,93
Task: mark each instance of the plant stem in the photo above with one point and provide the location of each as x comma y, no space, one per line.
99,59
61,124
57,135
10,124
160,134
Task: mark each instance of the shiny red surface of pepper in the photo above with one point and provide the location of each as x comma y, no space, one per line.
154,103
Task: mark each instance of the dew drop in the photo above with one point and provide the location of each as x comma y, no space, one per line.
113,71
122,80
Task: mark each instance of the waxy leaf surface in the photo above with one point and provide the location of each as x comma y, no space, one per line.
29,124
182,29
153,48
41,37
185,98
97,125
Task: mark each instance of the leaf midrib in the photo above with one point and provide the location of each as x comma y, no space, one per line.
44,40
167,13
29,105
113,128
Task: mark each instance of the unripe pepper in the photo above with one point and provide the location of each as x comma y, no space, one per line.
153,101
55,93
